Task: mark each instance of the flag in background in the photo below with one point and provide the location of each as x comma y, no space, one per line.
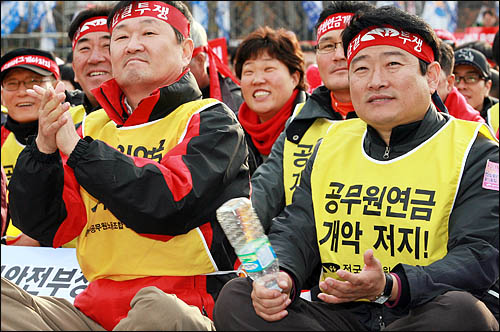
397,4
441,14
200,12
222,18
48,24
12,14
313,10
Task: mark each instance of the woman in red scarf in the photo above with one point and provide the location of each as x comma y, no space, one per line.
270,66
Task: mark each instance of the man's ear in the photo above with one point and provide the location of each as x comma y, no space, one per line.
487,86
187,51
432,76
73,66
450,79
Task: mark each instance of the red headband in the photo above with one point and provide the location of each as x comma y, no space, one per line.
34,60
215,65
337,21
410,42
156,9
93,24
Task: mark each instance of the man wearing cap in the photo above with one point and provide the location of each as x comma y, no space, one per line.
140,189
455,102
473,79
21,69
90,38
212,83
274,181
396,213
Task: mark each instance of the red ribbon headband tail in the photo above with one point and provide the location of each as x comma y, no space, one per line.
215,65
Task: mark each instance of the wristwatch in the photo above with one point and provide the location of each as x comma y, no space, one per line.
386,294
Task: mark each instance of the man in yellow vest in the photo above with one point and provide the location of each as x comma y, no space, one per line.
139,191
21,69
274,182
396,213
90,38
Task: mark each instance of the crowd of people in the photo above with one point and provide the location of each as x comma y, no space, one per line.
126,153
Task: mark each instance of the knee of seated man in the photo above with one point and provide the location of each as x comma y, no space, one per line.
234,293
473,310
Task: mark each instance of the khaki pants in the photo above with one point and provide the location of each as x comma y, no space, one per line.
151,309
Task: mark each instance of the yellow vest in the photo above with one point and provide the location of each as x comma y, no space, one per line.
11,149
77,113
107,248
399,208
493,117
295,156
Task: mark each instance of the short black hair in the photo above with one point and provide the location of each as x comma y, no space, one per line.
446,57
181,6
342,7
68,74
398,19
85,15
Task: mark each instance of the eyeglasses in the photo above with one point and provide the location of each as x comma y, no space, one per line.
469,79
327,46
13,85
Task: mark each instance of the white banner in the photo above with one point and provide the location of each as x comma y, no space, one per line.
44,271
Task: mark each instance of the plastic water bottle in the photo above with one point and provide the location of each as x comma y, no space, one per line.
245,233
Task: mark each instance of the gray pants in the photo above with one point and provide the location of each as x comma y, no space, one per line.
452,311
151,309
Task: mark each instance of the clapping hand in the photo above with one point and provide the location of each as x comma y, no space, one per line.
367,284
55,126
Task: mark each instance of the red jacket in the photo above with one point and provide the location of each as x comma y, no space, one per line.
458,107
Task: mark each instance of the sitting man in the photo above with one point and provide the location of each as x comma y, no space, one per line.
21,69
215,79
396,212
139,191
455,102
473,79
274,181
91,64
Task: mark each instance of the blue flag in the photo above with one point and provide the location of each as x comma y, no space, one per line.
200,12
13,12
441,14
312,9
223,19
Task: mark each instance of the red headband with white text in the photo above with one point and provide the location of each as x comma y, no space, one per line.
156,9
337,21
93,24
410,42
34,60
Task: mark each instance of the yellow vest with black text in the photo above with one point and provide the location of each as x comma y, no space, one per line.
106,247
295,156
399,208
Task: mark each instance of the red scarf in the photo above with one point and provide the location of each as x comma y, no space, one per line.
458,107
342,108
264,134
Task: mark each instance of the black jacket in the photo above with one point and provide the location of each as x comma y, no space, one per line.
268,194
471,263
